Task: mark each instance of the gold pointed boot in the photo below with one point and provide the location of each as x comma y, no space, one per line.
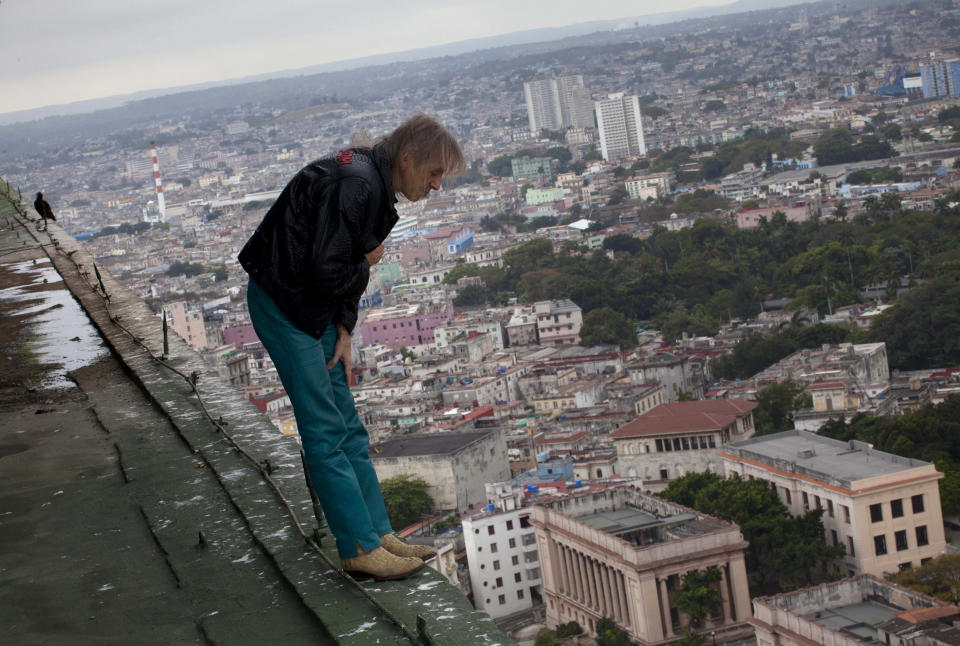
395,546
380,564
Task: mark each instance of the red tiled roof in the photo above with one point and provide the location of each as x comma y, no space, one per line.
920,615
684,417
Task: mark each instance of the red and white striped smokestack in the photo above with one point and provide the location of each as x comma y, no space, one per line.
161,205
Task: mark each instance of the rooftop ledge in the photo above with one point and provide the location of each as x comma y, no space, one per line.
134,509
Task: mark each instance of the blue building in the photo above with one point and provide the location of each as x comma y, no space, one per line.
940,78
460,243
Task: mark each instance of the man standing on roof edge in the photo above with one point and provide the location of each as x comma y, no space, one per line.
309,262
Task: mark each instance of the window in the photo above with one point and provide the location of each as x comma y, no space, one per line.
516,577
850,550
922,536
833,537
663,474
900,538
917,503
816,502
524,522
502,599
519,594
490,530
499,581
496,565
880,544
788,496
876,513
896,508
846,513
830,508
659,444
806,500
512,542
509,524
493,548
515,560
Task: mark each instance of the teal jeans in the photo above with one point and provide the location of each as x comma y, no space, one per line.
334,440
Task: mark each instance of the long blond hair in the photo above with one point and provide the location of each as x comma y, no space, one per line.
426,140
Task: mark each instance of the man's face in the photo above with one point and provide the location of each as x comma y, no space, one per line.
417,180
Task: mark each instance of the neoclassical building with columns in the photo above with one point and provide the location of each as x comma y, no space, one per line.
619,553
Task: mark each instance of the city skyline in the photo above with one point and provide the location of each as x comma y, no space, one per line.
60,53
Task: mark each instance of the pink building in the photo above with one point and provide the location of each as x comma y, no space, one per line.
404,325
240,335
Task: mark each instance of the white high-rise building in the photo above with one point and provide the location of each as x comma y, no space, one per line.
502,554
621,127
558,103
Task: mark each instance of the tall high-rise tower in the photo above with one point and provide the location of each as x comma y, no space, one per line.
161,204
940,78
558,103
621,127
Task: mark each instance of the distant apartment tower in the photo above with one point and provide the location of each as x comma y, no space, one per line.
883,508
940,78
621,127
556,104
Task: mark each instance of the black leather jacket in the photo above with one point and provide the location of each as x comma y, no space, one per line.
308,253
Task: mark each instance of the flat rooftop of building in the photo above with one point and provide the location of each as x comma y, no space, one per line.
131,517
857,619
822,457
426,444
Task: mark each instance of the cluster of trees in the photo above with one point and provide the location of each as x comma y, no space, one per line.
516,222
692,280
879,175
407,499
126,228
938,578
785,553
931,433
839,146
190,269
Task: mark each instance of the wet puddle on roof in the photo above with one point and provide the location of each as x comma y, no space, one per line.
63,338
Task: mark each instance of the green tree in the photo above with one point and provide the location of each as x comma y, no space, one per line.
785,552
776,404
922,330
547,638
406,498
462,270
609,634
606,325
569,629
501,166
699,595
472,295
938,578
561,153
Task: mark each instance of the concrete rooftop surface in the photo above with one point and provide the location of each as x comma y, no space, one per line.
133,511
824,457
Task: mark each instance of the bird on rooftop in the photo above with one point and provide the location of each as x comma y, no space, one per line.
43,208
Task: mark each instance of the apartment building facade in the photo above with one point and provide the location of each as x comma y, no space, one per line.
883,508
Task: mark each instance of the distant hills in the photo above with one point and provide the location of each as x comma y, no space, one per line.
525,37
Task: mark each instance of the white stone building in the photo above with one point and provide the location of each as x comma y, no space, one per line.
883,508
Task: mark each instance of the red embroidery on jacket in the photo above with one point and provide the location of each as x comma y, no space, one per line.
344,157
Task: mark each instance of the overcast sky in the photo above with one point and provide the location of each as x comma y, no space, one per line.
58,51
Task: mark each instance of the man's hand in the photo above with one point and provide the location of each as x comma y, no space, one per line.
373,257
341,351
